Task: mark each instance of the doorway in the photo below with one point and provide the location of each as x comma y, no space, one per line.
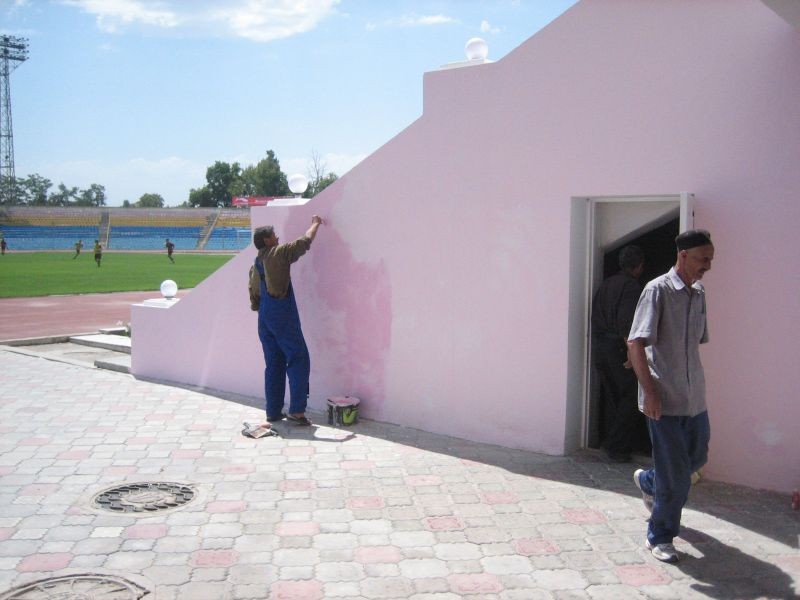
600,227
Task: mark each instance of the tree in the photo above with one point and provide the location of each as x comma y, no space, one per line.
63,197
220,178
318,177
94,195
150,201
126,204
268,179
34,190
201,197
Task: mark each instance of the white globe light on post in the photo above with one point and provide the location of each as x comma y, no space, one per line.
298,184
168,289
476,49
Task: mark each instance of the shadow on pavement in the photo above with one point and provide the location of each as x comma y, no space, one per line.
727,573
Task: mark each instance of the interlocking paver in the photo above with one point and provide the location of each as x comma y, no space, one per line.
374,511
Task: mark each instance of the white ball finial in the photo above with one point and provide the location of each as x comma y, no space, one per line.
476,49
298,183
168,289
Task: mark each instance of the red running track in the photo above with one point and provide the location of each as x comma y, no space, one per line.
46,316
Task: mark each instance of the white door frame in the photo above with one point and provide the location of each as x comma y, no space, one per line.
583,262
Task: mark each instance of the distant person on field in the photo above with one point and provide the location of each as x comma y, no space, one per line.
78,247
98,252
285,350
3,246
170,249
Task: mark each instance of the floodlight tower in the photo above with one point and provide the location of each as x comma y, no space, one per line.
13,51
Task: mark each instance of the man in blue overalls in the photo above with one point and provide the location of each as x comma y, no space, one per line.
285,350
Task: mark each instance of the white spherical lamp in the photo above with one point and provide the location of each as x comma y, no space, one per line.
476,49
298,183
168,289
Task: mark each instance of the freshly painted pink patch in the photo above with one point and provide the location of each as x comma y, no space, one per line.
297,485
187,453
363,308
296,590
226,506
145,532
7,532
44,562
6,469
298,451
414,480
214,558
534,546
350,465
39,489
238,468
297,528
365,502
474,583
443,523
639,575
378,554
584,516
500,497
74,455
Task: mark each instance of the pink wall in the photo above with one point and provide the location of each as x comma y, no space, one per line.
439,291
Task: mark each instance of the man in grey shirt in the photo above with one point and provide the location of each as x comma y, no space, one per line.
668,327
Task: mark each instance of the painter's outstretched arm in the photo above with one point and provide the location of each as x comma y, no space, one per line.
316,221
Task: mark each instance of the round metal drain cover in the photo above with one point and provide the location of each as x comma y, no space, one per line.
78,587
146,497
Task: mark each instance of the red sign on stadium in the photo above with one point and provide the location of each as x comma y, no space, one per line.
251,200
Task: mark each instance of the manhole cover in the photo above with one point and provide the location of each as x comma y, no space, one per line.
78,587
147,497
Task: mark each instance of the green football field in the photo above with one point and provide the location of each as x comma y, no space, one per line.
50,273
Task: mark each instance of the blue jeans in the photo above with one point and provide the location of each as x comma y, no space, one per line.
285,353
680,447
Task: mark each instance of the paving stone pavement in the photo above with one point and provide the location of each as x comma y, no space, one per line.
374,511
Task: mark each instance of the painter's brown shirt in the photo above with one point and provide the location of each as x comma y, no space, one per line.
277,261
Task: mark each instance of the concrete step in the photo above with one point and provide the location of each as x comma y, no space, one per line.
116,343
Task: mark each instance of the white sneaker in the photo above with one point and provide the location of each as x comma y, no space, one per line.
647,498
663,552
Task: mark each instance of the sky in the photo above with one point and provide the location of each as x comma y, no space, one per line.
142,96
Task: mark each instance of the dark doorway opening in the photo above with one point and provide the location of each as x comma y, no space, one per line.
658,246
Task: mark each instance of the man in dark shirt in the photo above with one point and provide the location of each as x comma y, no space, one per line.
170,249
612,314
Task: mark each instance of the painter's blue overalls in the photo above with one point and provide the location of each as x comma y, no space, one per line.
285,350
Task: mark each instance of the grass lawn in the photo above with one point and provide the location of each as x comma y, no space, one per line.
51,273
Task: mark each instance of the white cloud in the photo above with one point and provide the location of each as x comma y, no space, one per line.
257,20
111,15
486,27
413,21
